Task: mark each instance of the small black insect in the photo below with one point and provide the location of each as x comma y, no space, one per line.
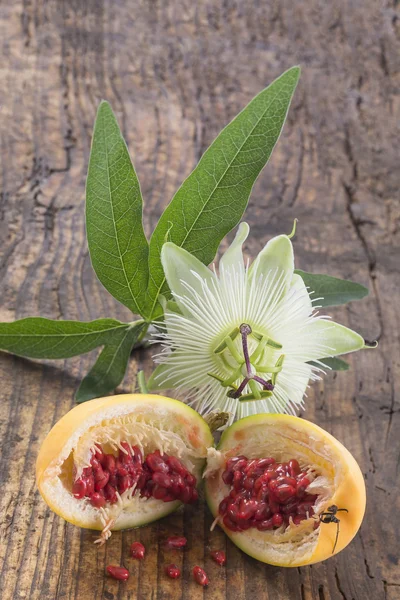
330,517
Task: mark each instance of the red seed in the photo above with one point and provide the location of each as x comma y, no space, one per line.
247,509
233,512
190,479
97,500
176,541
137,454
288,480
263,512
273,505
290,506
79,488
172,571
229,524
117,572
284,492
240,464
137,550
157,463
265,525
302,485
294,467
159,492
124,483
109,463
162,479
177,485
277,520
168,498
186,495
110,494
265,462
219,556
121,469
237,480
89,479
248,483
227,477
200,576
263,494
176,465
297,519
101,482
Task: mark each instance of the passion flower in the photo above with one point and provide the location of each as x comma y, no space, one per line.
122,461
242,341
284,490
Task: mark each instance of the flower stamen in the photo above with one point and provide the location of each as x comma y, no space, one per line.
245,365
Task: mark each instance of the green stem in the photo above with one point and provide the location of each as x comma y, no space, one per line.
141,382
143,333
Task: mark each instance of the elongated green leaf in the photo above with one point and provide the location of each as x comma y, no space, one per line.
331,290
109,369
117,243
336,364
212,199
36,337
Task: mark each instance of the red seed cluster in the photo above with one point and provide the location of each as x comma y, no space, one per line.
165,478
161,477
265,494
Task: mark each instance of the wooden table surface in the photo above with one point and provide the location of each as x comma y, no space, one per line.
175,74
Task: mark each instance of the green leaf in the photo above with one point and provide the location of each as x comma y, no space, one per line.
212,199
117,244
332,290
336,364
36,337
109,369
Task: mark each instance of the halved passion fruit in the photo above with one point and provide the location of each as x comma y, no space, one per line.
284,490
123,461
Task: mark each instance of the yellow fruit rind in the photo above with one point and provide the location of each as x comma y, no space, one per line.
349,494
196,430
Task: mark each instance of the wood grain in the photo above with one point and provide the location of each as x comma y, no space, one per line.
175,74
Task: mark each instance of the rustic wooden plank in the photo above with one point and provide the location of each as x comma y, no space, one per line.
167,70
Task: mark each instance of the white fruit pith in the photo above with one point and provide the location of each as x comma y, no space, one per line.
328,464
149,422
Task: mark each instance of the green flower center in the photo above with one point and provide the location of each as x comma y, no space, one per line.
238,362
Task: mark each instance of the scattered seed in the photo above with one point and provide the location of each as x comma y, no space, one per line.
175,541
219,556
137,550
172,571
116,572
200,576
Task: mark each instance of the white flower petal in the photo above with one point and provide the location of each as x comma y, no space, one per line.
179,265
233,257
277,257
326,338
299,287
